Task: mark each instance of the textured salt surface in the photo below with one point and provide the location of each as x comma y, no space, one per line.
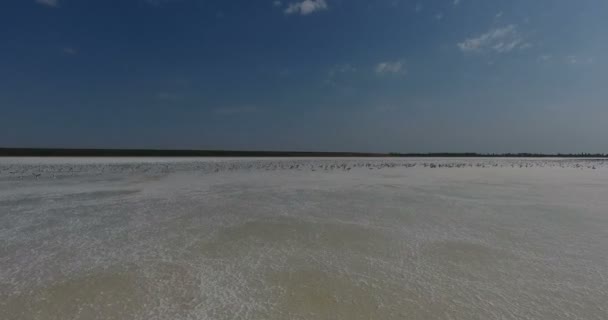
303,239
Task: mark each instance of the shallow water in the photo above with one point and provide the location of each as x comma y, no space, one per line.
303,239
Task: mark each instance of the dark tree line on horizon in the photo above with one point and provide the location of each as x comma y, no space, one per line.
63,152
502,155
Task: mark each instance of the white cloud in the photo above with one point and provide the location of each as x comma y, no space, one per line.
500,40
390,67
48,3
306,7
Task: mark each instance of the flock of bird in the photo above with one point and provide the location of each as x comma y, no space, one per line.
161,167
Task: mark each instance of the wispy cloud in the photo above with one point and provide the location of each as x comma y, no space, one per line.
158,3
390,67
340,69
229,111
500,40
337,71
306,7
574,59
456,2
69,51
385,108
168,96
48,3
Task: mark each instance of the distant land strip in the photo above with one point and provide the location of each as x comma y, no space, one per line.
60,152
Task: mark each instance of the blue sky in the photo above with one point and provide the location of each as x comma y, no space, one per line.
326,75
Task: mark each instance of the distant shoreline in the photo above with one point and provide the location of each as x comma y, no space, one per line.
66,152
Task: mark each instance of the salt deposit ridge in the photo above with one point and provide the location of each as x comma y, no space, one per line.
296,238
66,167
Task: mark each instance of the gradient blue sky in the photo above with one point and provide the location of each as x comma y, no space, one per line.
326,75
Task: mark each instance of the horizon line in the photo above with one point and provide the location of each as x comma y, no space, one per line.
152,152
